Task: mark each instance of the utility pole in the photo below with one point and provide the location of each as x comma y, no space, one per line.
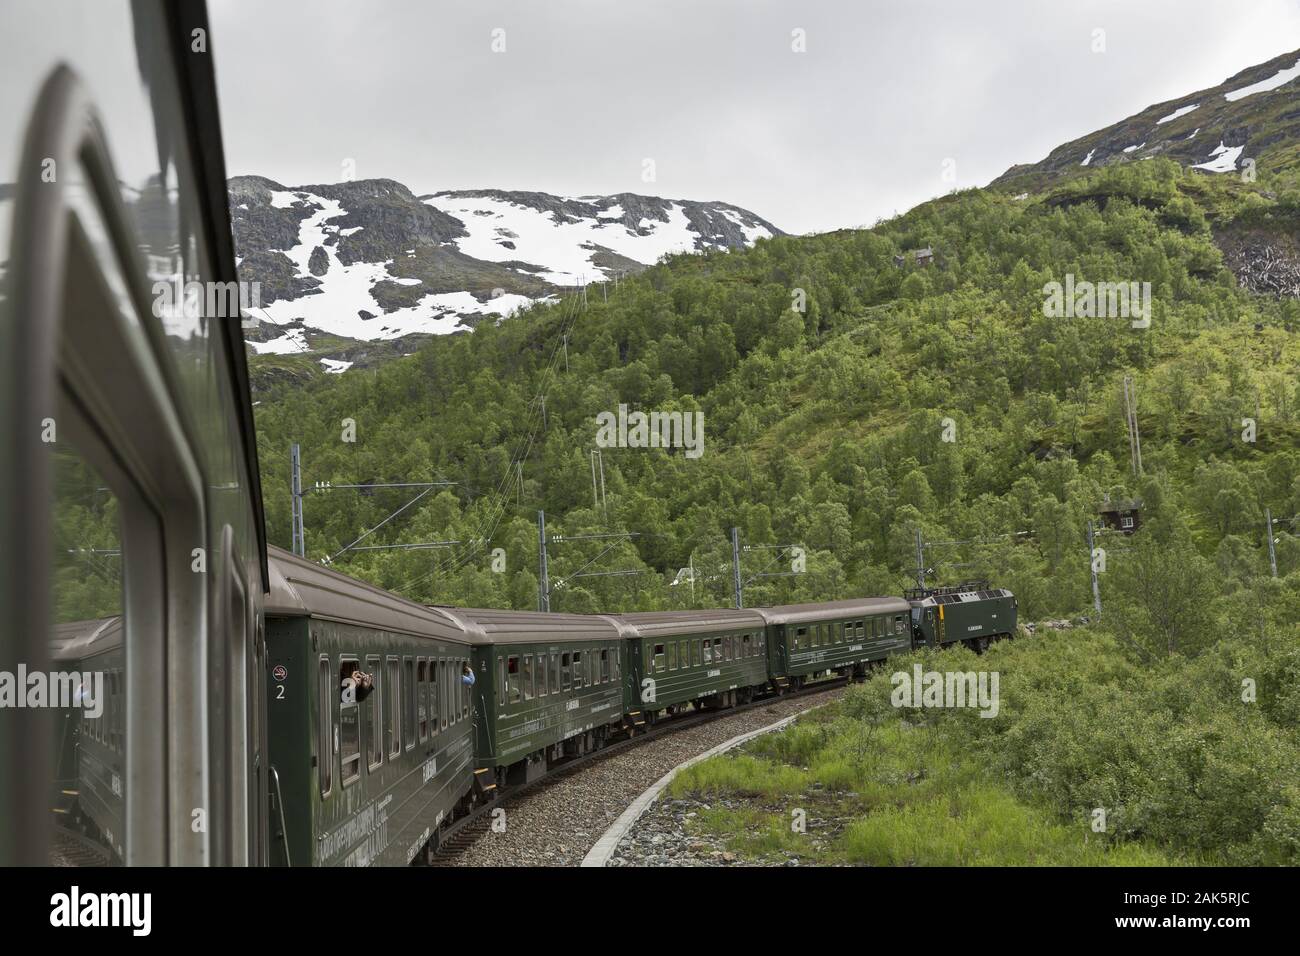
599,502
543,585
1130,415
920,561
295,490
735,567
1268,533
1092,563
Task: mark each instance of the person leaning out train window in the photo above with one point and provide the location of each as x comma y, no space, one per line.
357,687
467,675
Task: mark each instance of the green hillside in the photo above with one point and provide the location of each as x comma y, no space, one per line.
825,428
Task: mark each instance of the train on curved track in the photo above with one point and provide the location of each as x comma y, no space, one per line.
219,733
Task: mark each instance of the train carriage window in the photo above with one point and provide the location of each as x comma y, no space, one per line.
444,694
697,655
374,709
660,658
800,636
448,695
501,681
555,673
465,691
566,673
577,670
349,727
422,698
325,737
542,682
672,655
394,727
516,680
717,650
528,677
408,701
604,666
898,624
708,651
744,646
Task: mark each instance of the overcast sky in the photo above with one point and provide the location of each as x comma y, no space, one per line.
585,92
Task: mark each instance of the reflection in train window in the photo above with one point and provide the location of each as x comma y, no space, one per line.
89,761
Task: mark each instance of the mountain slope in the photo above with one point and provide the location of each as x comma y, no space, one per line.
1253,115
369,261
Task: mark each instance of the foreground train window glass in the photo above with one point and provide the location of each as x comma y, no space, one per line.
528,677
555,673
87,659
696,655
566,672
541,675
577,670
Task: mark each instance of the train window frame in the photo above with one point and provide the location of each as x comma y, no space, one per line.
325,726
444,698
408,701
671,655
566,672
604,665
422,699
374,715
528,678
708,651
393,721
542,676
697,655
345,779
515,678
555,672
577,670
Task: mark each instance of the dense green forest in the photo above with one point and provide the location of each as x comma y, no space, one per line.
825,426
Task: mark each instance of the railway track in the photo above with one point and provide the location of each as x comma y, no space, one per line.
464,833
70,848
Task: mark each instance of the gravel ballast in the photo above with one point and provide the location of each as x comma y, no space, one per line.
557,824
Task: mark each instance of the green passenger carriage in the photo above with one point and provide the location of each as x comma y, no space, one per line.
808,640
712,658
369,781
550,686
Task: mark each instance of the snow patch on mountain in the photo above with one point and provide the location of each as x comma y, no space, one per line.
1226,160
1263,86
